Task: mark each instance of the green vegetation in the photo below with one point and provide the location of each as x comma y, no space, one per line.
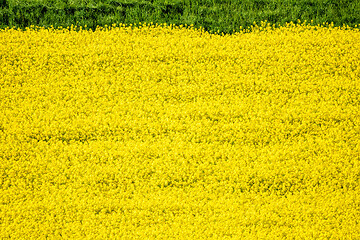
213,15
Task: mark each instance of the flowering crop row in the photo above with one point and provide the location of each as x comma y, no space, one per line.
172,132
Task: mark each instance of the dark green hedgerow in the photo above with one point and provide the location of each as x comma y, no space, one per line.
213,15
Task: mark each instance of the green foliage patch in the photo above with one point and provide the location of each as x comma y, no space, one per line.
213,15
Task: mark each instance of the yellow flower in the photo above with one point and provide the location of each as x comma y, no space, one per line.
147,131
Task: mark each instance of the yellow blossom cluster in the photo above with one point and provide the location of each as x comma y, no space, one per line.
148,131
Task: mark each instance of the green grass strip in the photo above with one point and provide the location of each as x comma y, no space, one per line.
213,15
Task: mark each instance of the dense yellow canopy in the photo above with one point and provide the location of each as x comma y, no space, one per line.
172,132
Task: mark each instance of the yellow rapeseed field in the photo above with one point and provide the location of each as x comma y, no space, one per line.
175,133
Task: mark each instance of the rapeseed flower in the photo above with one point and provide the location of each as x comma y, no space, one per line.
160,131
